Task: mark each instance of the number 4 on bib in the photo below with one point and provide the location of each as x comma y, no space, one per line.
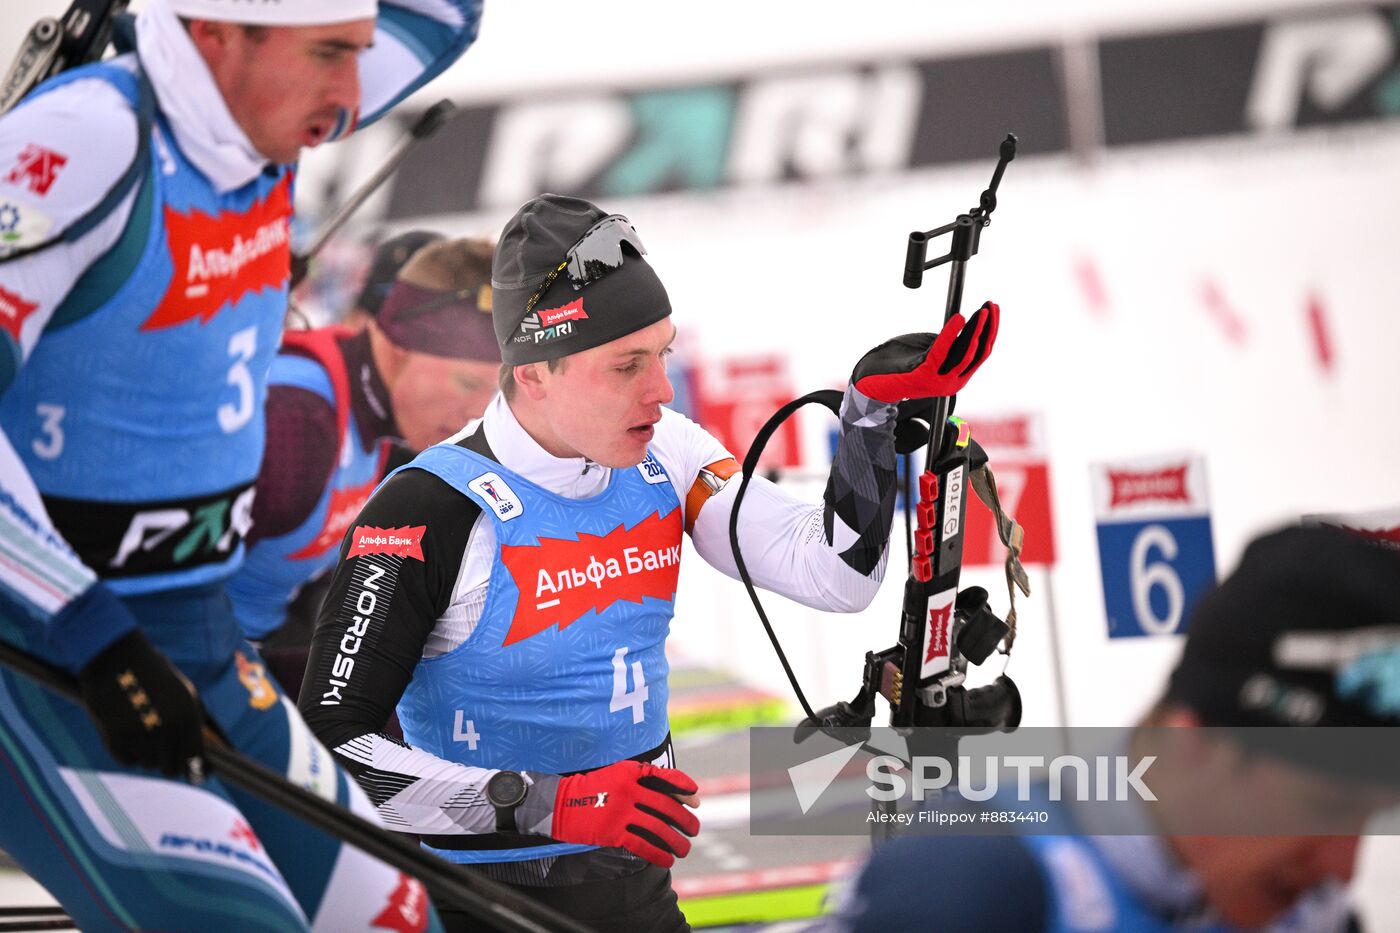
622,698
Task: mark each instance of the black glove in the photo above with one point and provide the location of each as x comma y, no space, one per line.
925,366
147,712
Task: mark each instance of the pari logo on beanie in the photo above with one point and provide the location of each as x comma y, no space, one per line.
543,308
552,323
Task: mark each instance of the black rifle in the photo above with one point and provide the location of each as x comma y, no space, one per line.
53,46
922,676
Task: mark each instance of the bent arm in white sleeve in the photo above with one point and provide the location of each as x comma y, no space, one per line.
829,555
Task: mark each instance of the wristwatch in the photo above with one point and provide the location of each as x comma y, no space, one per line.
506,791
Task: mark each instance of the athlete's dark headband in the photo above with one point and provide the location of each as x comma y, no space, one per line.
389,257
452,324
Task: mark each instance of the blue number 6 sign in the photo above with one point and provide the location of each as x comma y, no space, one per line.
1155,550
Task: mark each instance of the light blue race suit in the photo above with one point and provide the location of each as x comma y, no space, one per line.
133,366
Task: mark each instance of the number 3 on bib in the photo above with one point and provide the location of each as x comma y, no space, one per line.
622,698
241,347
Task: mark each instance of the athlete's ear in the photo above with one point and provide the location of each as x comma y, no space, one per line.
530,379
389,358
211,38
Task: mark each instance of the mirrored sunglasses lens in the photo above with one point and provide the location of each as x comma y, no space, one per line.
600,250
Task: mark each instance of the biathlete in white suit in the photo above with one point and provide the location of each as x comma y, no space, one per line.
510,591
145,204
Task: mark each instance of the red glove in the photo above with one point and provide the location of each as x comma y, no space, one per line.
919,366
631,805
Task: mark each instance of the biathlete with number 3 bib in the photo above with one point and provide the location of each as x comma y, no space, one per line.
511,590
143,286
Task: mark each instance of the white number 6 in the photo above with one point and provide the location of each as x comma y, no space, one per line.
1145,576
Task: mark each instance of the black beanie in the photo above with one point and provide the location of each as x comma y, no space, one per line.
389,257
566,319
1305,632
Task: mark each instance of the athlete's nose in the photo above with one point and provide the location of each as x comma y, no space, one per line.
660,392
344,88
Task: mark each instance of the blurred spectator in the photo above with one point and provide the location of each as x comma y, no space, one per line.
1305,633
421,368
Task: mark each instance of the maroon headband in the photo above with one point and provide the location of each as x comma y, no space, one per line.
451,324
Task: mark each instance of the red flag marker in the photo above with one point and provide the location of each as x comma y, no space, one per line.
1229,320
1086,272
1321,336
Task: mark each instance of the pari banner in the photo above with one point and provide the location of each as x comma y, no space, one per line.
1156,555
1292,70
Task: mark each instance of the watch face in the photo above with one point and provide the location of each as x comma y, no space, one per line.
505,789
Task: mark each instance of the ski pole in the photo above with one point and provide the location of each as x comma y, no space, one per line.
483,897
426,125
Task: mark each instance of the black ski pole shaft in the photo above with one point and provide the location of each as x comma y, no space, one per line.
46,917
426,125
481,896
